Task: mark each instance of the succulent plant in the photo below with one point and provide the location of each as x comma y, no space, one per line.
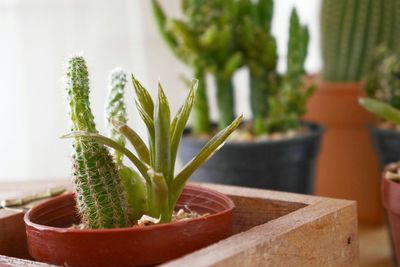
351,30
383,78
205,41
154,189
381,109
99,194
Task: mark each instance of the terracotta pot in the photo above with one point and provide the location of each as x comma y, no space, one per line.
391,201
50,241
347,166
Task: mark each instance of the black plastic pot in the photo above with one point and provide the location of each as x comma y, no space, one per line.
284,165
386,144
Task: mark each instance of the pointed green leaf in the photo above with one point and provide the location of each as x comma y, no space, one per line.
205,153
381,109
162,119
179,123
137,142
101,139
144,97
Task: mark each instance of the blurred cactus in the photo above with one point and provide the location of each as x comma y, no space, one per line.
155,189
99,193
115,107
350,30
382,81
221,36
205,42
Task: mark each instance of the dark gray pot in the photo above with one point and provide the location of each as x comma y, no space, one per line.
284,165
386,144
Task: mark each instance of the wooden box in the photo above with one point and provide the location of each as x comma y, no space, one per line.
270,229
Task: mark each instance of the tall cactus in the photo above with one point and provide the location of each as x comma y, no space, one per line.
289,104
183,40
115,107
260,52
351,29
205,41
99,193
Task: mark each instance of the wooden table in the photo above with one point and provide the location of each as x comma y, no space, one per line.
281,229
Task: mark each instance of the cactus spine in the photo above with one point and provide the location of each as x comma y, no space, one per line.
350,30
115,107
99,194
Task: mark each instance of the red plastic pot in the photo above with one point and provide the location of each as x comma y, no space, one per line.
50,241
391,201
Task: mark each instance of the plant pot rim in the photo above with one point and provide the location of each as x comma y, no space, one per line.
315,130
388,131
42,227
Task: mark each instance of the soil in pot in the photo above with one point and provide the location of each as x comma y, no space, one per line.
347,166
286,164
51,240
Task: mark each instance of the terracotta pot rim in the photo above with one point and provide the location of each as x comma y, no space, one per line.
315,131
42,227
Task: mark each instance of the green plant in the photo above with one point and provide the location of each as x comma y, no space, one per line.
221,36
205,41
99,194
383,78
154,189
277,101
350,30
381,109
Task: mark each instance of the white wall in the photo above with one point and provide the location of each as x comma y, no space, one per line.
36,38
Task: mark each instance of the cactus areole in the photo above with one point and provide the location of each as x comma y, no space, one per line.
118,194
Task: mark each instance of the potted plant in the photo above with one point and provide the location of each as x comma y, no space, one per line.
113,203
391,174
383,83
275,150
350,31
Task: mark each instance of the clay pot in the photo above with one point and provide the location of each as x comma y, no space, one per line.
50,241
283,165
391,201
347,166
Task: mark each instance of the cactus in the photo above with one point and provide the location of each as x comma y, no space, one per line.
182,39
155,188
350,30
99,196
205,41
383,79
115,107
221,36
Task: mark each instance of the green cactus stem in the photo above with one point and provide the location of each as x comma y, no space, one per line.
351,30
201,118
183,38
115,107
99,192
225,101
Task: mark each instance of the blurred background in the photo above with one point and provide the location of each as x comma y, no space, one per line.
38,36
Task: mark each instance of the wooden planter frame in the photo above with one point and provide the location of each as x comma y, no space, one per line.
270,229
